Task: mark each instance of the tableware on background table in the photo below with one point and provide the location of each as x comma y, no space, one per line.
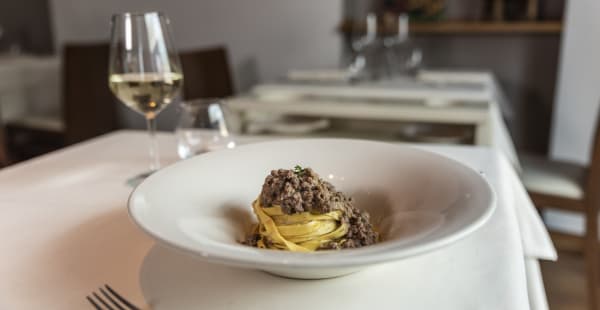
286,125
319,75
202,127
402,54
418,200
436,133
145,72
369,61
109,299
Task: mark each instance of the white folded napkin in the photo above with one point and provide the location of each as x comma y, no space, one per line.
534,235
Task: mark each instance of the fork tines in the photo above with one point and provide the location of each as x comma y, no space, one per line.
110,300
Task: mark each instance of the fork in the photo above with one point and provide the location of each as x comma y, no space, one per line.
111,300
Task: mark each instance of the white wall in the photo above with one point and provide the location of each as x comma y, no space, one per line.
264,38
578,91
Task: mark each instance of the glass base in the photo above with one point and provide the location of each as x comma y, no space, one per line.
136,180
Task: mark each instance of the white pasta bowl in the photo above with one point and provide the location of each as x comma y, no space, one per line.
418,201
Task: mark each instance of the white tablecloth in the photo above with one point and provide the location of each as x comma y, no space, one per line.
65,231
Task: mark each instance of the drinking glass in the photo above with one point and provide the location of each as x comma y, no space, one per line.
362,44
202,127
404,56
369,51
144,68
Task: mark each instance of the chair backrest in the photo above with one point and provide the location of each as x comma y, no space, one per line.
3,148
206,73
592,185
88,105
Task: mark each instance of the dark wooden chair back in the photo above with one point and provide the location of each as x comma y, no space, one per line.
90,109
88,105
592,186
206,73
591,202
3,148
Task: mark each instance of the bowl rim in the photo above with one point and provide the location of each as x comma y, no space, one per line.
348,258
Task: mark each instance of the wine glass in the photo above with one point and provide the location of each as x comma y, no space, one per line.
144,68
202,127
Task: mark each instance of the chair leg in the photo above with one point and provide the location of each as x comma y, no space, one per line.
591,257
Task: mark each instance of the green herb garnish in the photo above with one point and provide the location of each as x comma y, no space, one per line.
298,170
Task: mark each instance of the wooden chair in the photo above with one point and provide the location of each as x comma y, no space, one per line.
206,73
89,107
571,187
3,149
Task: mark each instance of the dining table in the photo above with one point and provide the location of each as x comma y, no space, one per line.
66,231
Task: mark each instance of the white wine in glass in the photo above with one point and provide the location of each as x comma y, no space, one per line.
146,93
144,71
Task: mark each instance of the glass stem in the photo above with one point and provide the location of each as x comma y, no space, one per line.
153,147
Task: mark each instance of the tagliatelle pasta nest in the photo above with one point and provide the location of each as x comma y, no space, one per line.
298,211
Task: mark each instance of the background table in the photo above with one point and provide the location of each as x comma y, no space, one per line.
66,231
438,97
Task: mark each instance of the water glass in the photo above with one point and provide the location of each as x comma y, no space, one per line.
202,127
